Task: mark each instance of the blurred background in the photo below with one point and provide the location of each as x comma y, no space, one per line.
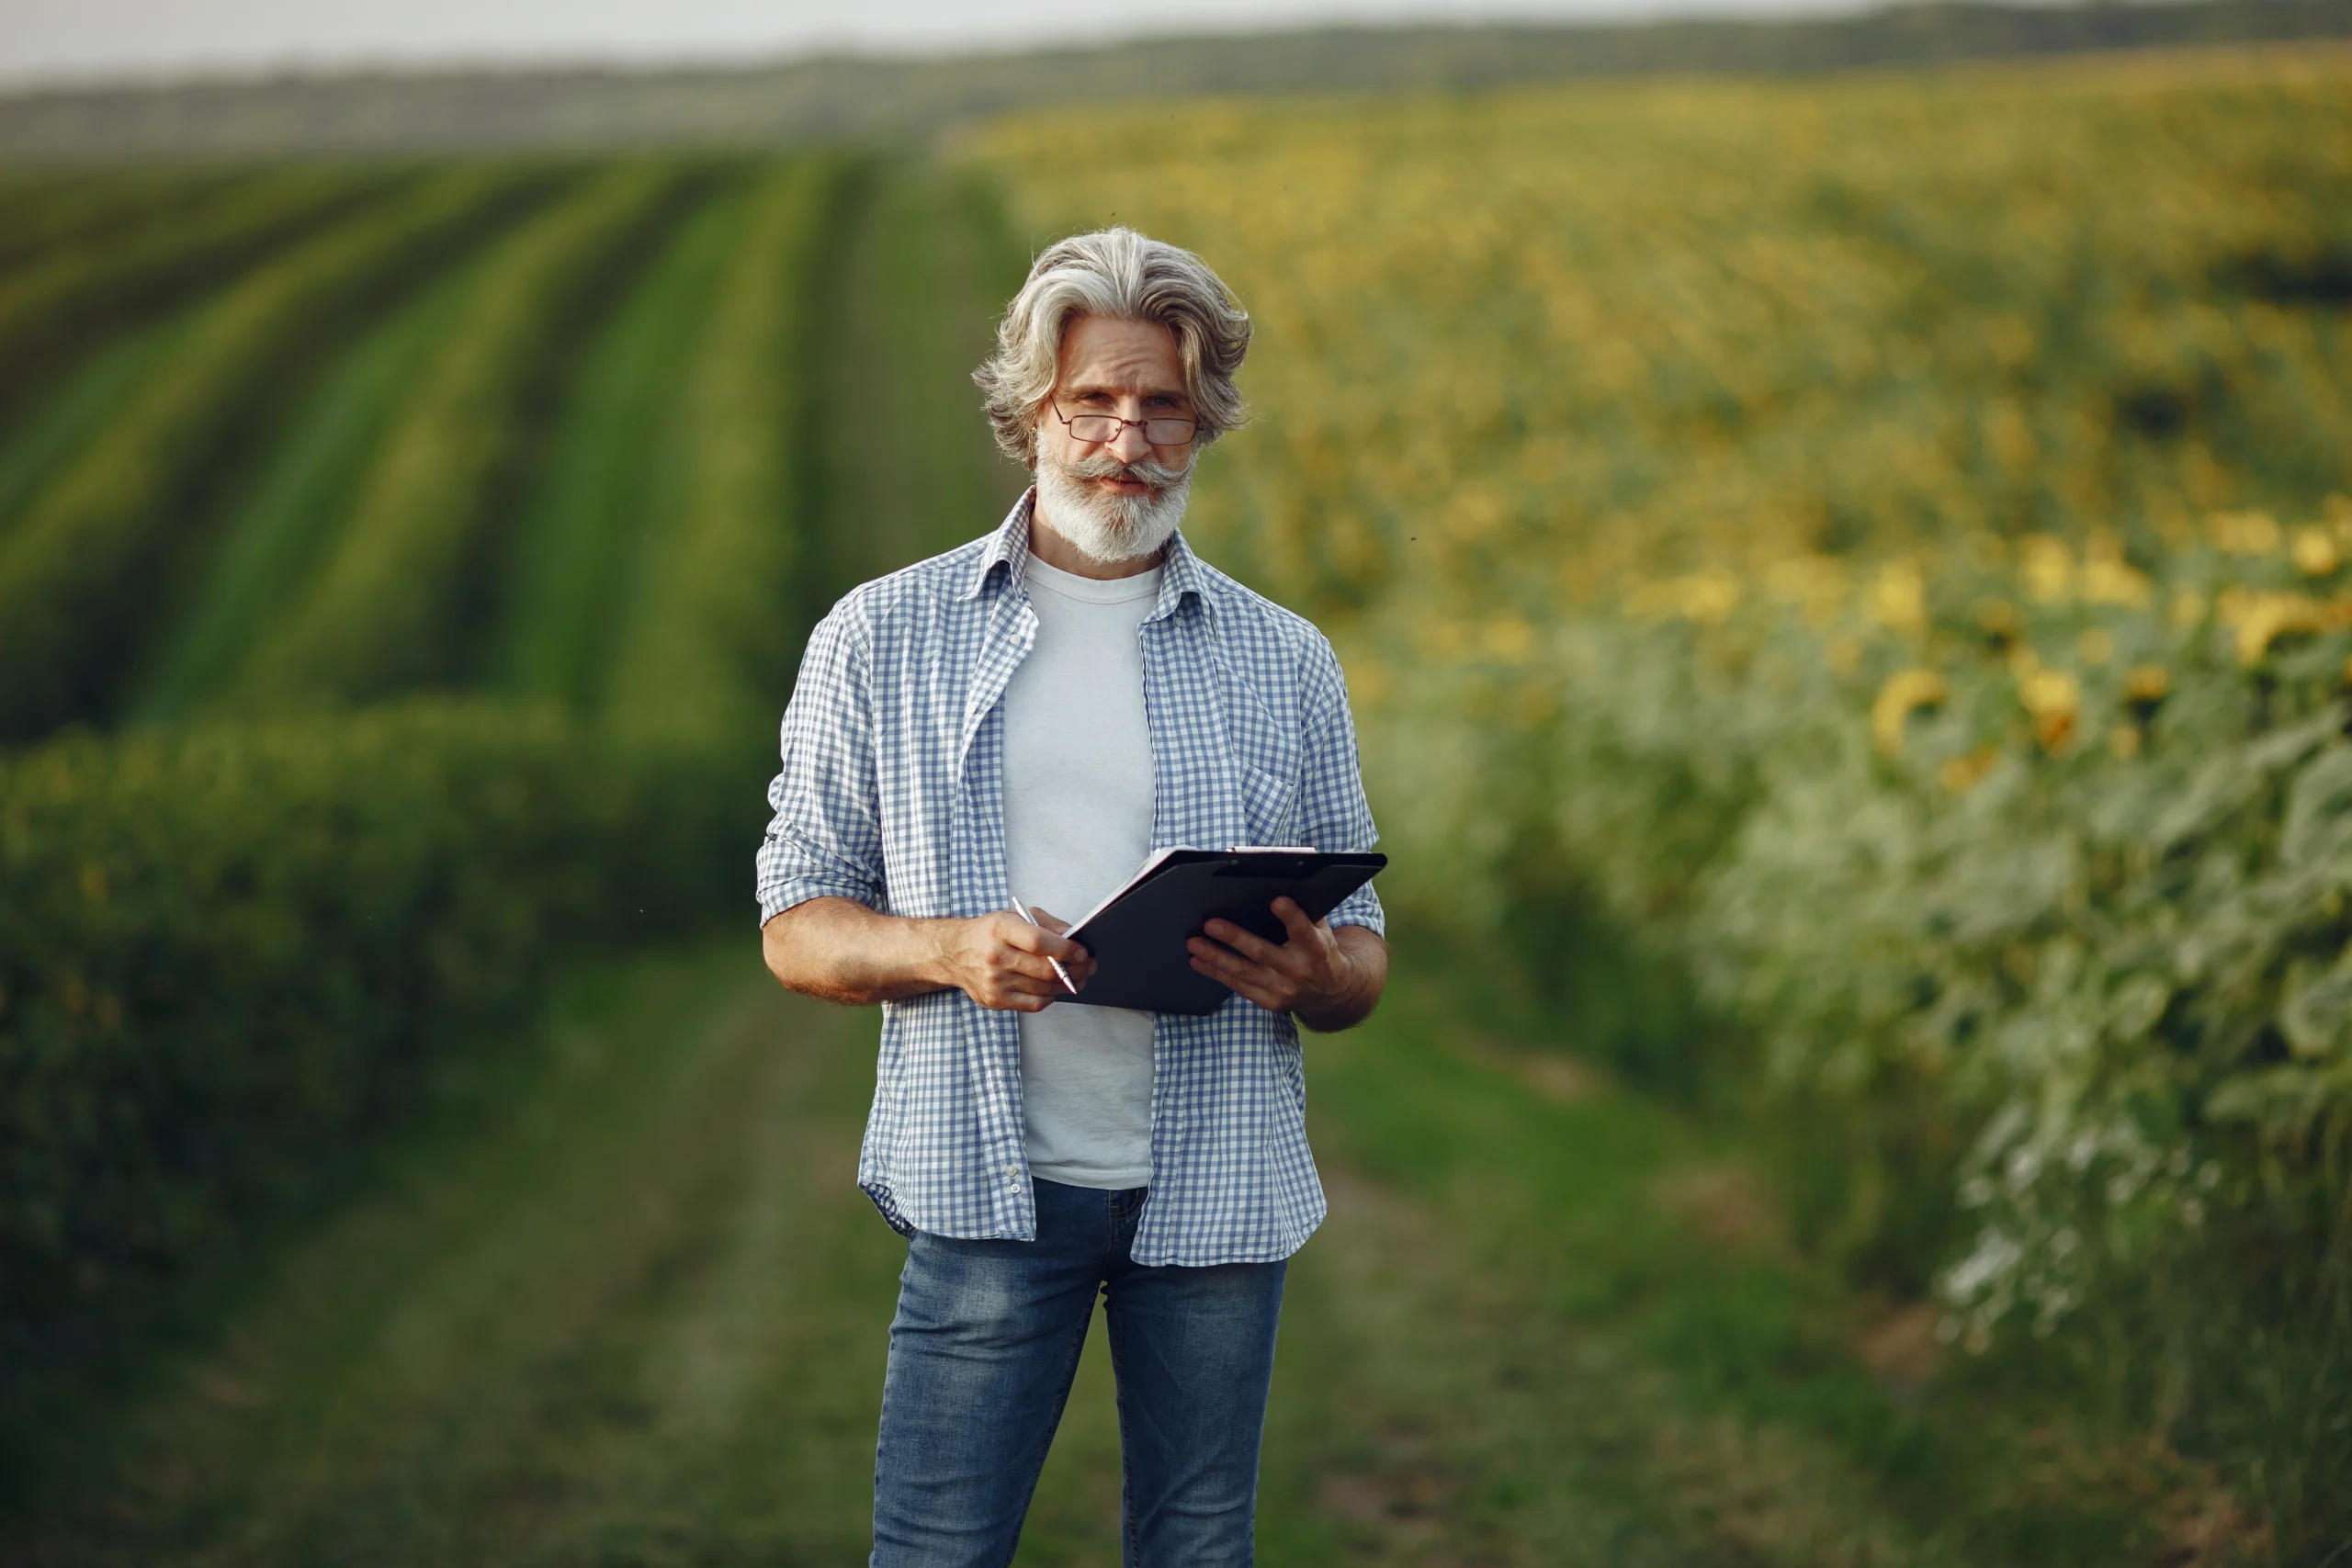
1837,527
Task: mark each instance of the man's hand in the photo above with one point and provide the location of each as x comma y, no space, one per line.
843,951
1330,979
1003,961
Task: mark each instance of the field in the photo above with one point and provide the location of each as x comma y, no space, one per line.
1844,591
1877,551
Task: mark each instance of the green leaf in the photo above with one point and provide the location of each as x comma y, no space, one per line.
2316,1016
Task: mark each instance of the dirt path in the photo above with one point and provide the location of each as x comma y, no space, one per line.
634,1314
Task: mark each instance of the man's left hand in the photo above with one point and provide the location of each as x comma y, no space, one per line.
1329,983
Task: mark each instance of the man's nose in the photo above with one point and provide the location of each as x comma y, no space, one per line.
1128,446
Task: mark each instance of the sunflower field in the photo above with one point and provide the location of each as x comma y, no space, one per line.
1874,554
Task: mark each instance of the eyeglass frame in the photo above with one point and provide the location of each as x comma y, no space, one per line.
1191,435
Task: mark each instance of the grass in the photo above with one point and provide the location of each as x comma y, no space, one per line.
561,1301
618,1301
1627,1257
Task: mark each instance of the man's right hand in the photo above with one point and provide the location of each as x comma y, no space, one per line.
1003,961
839,949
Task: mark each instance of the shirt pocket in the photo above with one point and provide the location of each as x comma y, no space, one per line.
1266,764
1269,803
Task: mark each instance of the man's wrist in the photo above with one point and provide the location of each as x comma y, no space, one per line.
1347,975
1358,984
934,962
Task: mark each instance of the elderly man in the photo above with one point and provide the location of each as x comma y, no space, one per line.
1029,716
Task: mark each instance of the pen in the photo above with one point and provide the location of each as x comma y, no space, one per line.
1062,973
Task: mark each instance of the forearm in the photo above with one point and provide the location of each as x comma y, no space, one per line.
840,951
1366,972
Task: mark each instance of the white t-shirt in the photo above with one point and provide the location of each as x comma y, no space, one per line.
1078,799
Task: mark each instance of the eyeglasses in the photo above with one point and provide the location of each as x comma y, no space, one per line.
1161,430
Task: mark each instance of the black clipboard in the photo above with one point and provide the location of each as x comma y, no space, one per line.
1137,934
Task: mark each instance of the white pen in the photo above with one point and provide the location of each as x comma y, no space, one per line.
1060,972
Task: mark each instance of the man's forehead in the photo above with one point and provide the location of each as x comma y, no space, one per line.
1152,385
1111,355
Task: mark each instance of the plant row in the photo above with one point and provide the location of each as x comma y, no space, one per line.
390,607
2027,878
615,460
74,290
44,208
225,953
85,567
231,947
705,650
277,510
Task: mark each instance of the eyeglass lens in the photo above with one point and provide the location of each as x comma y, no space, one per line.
1104,427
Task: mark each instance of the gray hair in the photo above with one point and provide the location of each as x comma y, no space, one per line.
1118,272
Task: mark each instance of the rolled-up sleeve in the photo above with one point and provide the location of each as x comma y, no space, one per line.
1332,812
825,838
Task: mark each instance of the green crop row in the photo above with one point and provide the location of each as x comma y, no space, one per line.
82,569
613,464
75,292
78,404
393,604
704,652
41,211
288,516
225,951
229,947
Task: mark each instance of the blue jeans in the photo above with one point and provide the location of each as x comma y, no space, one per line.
982,1352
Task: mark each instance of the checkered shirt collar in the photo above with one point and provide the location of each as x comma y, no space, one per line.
1008,547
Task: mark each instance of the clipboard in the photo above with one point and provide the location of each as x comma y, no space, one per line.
1137,934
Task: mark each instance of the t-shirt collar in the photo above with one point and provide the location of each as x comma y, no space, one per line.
1180,572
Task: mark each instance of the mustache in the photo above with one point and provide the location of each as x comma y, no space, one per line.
1158,475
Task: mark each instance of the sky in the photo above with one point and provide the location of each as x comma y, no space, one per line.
69,41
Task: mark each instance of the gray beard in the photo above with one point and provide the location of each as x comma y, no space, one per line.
1111,528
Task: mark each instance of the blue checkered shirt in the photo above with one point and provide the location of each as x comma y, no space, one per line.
892,794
